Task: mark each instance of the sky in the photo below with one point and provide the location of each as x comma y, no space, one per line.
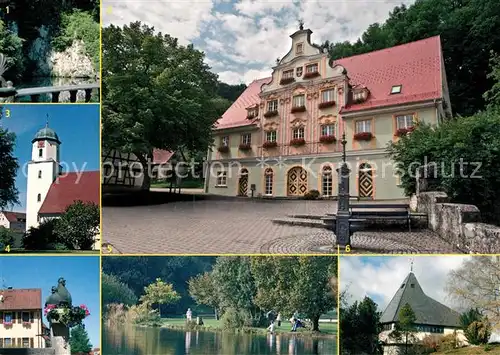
380,277
76,125
80,272
242,39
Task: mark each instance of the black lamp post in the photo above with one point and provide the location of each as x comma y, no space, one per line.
343,214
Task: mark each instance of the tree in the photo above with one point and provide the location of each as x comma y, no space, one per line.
476,284
360,327
159,293
115,291
8,168
6,238
492,96
156,94
204,290
42,237
476,328
405,327
79,340
79,225
11,46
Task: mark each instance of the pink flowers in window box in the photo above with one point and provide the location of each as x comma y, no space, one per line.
298,142
298,109
26,324
363,136
223,149
403,131
311,75
270,114
245,146
7,323
327,139
326,104
270,144
286,81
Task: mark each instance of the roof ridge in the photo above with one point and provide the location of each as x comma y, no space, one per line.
384,49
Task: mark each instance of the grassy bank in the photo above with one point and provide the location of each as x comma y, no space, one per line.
326,329
473,350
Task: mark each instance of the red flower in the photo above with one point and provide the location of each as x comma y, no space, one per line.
363,136
298,141
298,109
326,104
327,139
270,144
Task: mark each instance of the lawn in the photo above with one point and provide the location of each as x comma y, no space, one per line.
211,323
476,350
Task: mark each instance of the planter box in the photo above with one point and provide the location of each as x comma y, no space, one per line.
223,149
298,142
270,114
268,145
245,147
298,109
311,75
363,136
326,104
286,81
327,139
403,131
250,117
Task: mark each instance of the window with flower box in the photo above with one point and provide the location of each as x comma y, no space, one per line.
287,74
7,318
328,130
363,130
221,178
252,112
313,68
268,177
271,136
225,141
246,138
404,121
299,103
298,133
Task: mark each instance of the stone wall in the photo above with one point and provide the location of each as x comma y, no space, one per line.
26,351
459,224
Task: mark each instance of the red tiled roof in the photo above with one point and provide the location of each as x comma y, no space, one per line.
236,115
161,156
23,298
415,65
14,216
71,187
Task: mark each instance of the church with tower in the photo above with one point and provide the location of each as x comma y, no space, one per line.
50,190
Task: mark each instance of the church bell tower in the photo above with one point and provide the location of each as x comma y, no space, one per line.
43,169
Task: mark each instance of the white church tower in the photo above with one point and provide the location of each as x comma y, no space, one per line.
43,169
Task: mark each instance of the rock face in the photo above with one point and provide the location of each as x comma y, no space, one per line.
72,63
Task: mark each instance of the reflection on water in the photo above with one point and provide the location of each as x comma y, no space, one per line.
47,81
146,341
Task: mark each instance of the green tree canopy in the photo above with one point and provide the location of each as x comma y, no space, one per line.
79,340
115,291
159,293
204,290
79,225
8,167
156,94
6,238
42,237
405,327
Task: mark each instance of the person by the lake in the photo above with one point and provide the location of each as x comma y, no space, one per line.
189,315
278,319
271,327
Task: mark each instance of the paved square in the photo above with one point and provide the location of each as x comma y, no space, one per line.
242,227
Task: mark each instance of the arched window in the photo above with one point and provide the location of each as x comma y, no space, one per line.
40,153
39,198
327,181
39,174
268,176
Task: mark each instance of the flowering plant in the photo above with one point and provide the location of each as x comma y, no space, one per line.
363,136
298,109
244,146
270,114
327,139
270,144
70,316
298,141
7,323
326,104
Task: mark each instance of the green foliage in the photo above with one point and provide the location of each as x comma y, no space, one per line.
405,328
235,319
467,318
115,291
230,92
478,332
156,94
492,96
11,46
6,238
42,237
79,340
159,293
79,225
79,25
467,30
449,146
144,315
204,290
312,195
360,327
8,168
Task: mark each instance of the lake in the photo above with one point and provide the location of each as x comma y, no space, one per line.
151,341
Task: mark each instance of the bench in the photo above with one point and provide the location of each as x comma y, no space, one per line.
373,211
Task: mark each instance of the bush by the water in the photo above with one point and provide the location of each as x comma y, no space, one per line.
142,314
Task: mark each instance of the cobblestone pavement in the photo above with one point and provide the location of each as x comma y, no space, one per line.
205,227
235,226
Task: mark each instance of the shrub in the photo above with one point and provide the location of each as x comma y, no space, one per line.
143,314
234,319
312,195
478,332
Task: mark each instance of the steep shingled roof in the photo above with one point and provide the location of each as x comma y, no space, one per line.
416,66
427,310
19,299
71,187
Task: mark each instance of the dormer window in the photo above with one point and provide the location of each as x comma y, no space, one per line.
252,112
299,48
396,89
360,95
